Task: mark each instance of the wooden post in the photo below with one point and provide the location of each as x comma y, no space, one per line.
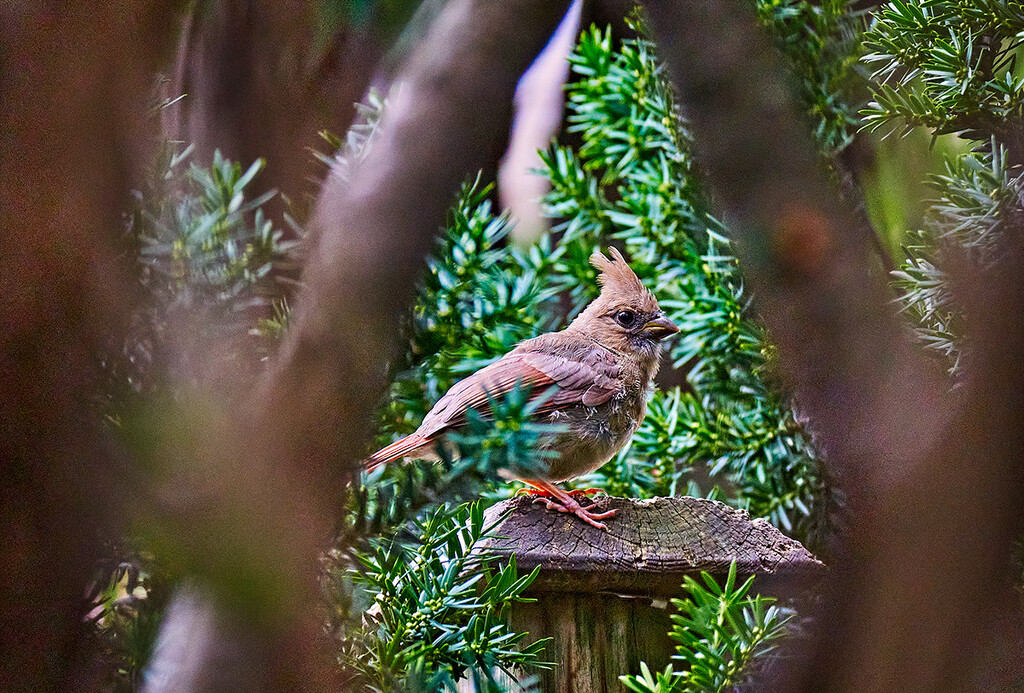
602,596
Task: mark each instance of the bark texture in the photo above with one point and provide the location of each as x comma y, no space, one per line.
602,596
595,639
650,545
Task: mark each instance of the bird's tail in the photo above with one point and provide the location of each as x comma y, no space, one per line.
396,451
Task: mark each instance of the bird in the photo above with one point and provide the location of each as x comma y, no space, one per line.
595,374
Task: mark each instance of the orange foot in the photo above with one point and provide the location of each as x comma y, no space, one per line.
555,498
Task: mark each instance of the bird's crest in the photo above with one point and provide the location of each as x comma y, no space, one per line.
616,273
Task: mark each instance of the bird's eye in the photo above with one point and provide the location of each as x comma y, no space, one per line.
626,318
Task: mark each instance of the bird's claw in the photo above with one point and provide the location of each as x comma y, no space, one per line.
572,507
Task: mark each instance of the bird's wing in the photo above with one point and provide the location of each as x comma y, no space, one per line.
475,392
588,377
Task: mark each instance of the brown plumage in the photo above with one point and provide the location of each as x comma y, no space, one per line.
603,364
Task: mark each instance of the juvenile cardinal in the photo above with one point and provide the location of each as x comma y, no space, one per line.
602,365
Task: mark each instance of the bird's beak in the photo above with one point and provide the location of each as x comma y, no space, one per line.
659,327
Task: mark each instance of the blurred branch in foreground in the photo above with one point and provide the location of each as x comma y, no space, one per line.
931,480
373,232
269,495
73,82
540,109
260,79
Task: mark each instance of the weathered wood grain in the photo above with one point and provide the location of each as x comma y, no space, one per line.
650,545
602,596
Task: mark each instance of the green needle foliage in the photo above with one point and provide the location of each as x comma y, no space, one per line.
356,144
478,298
821,44
207,261
209,264
946,65
205,247
633,181
718,631
951,67
439,610
730,432
507,440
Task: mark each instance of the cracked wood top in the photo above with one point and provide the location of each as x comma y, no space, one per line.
648,548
